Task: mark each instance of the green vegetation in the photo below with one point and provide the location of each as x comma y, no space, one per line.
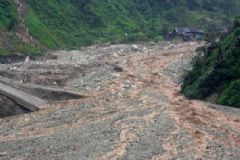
8,15
218,71
9,43
231,95
12,44
74,23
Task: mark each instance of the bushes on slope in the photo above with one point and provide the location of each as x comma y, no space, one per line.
217,71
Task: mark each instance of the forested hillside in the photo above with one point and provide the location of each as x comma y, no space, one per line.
67,23
8,15
9,42
218,71
73,23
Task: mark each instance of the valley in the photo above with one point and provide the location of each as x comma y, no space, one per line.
130,108
126,79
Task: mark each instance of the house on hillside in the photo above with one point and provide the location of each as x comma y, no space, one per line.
188,34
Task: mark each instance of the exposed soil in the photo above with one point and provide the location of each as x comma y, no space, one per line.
132,109
22,30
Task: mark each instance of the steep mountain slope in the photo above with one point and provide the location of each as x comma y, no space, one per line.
76,22
8,15
218,71
73,23
9,42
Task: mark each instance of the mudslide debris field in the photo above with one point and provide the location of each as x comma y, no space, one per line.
132,108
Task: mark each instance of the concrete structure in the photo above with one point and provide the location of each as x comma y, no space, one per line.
29,102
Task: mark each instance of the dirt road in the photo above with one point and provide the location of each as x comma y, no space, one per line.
135,112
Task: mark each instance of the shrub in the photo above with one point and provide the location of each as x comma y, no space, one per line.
216,71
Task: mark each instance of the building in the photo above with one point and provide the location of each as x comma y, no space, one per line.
188,34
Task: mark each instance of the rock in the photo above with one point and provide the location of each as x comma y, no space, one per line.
115,54
117,68
27,60
134,47
145,50
127,84
76,86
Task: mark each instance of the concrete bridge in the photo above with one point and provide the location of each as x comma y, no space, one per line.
28,101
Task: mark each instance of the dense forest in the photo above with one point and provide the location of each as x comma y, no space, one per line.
217,71
73,23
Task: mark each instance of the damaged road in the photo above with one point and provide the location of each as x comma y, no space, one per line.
132,109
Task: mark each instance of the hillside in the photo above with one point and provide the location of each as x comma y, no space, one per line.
8,15
9,42
218,71
84,99
74,23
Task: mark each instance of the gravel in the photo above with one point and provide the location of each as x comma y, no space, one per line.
125,115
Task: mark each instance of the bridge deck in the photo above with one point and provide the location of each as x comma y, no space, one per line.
27,101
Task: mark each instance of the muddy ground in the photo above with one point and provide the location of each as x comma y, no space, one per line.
132,108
